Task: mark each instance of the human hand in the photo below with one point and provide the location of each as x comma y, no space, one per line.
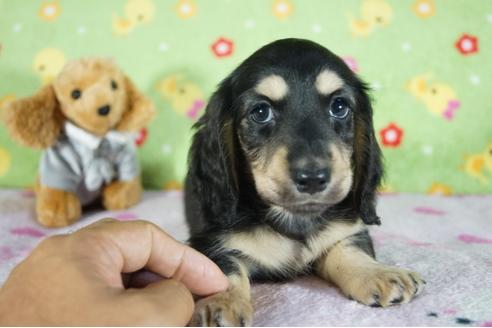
77,279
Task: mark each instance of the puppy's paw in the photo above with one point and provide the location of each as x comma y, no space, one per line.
119,195
225,309
382,286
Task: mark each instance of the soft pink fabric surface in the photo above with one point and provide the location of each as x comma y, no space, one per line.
446,239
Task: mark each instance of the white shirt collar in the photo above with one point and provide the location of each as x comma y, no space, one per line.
91,141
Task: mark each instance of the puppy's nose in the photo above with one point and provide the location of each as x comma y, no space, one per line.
311,181
103,111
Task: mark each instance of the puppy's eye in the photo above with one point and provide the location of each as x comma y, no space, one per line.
261,113
114,86
76,94
339,108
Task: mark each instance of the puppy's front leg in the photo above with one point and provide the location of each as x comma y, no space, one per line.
351,266
231,308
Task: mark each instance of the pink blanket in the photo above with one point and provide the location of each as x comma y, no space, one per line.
448,240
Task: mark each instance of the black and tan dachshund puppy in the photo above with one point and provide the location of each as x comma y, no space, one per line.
282,181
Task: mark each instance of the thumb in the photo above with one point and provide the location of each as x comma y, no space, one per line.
163,303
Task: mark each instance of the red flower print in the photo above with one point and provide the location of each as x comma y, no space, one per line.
222,47
391,135
467,44
141,137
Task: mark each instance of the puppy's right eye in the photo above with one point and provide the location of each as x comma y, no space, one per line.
262,113
76,94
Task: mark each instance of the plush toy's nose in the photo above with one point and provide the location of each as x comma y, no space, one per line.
103,111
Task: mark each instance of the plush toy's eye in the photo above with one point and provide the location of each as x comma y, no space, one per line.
76,94
114,86
339,108
262,113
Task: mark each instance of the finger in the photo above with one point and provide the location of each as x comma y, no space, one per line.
133,245
163,303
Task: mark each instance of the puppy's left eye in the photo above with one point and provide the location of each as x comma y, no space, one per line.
114,86
262,113
339,108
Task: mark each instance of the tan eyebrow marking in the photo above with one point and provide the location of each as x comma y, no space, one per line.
327,82
273,87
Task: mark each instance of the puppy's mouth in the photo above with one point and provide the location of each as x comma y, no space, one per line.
306,208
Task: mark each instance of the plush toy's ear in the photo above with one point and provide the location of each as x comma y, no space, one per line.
368,168
139,111
35,121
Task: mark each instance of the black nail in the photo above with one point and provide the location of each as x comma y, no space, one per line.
397,300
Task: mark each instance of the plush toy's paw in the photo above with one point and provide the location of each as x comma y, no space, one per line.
382,286
56,208
225,309
122,194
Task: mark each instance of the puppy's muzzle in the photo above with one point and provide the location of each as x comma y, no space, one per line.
311,181
103,111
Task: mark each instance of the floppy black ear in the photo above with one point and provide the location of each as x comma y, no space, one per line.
368,169
211,172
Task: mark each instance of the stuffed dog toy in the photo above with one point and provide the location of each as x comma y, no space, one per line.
282,180
86,122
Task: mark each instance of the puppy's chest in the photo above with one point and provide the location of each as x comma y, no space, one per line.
264,248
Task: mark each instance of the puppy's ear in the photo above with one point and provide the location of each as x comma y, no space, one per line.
368,168
35,121
139,111
212,173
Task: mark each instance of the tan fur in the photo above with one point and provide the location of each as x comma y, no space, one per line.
285,251
139,113
326,239
263,246
271,175
56,208
273,87
342,175
37,122
254,243
34,121
231,308
119,195
362,278
327,82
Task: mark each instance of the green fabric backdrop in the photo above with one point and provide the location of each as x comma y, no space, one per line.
429,64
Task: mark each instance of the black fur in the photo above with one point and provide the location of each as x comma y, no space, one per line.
220,193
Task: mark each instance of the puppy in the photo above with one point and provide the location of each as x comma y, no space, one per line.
282,181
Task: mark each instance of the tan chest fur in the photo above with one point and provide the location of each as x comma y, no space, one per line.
266,247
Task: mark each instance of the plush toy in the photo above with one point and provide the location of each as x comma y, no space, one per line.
86,121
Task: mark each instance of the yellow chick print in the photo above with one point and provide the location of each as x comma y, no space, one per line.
438,188
476,164
173,185
186,98
373,13
136,12
48,63
438,97
4,161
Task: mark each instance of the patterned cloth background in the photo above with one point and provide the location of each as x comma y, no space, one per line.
428,62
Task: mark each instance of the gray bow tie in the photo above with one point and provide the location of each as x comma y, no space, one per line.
100,170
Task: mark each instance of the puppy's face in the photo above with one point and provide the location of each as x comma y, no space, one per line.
296,126
92,94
